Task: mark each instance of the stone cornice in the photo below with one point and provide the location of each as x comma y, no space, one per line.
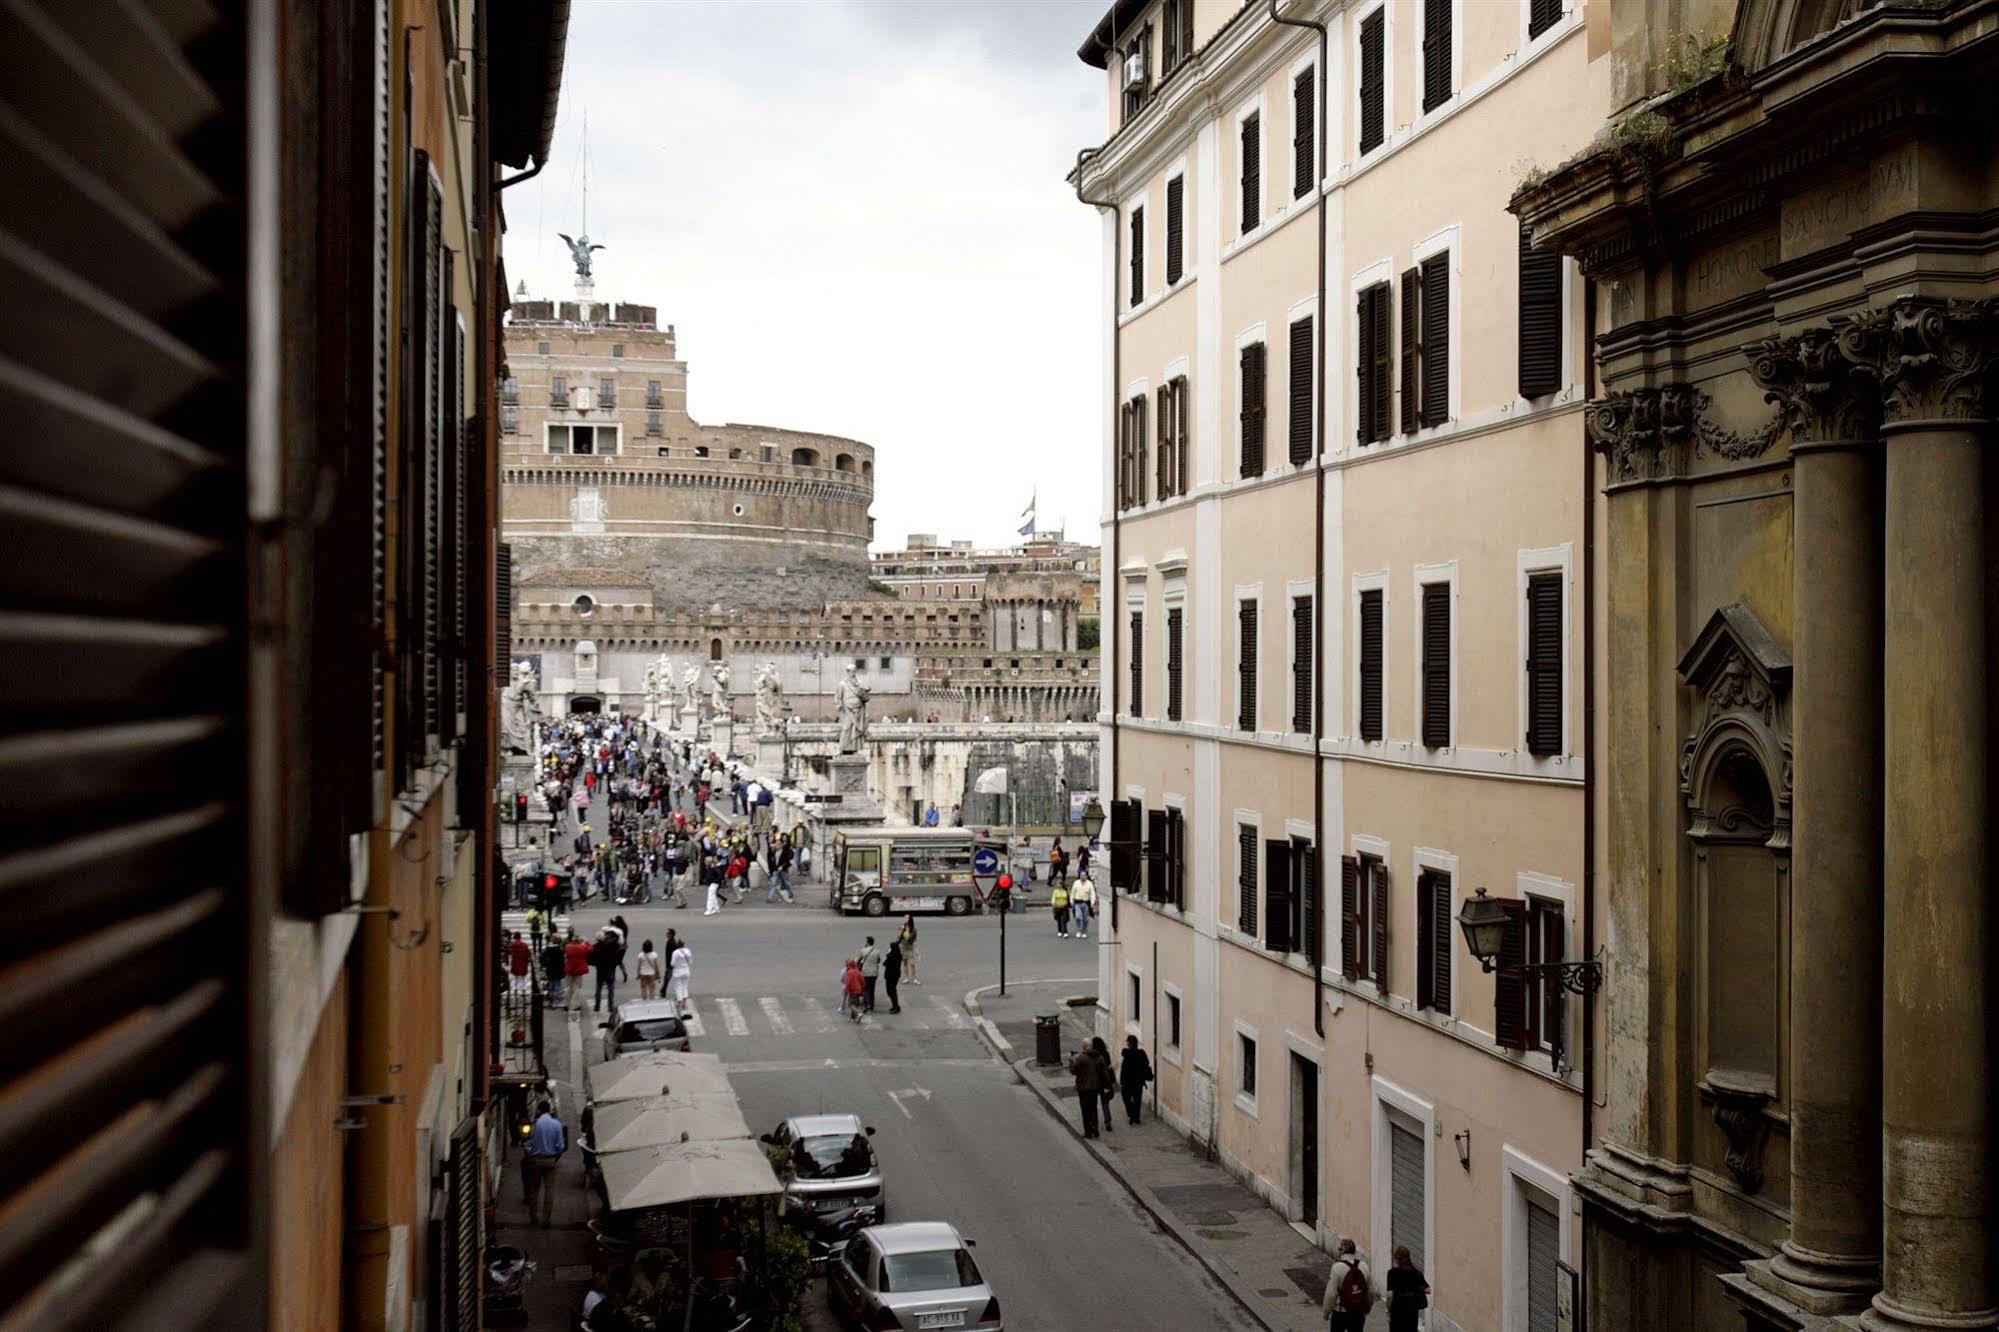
561,474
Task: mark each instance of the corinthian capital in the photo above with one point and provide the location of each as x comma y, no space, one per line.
1932,358
1822,395
1624,426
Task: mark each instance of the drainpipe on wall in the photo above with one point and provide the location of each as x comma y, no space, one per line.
1107,615
1589,757
1317,952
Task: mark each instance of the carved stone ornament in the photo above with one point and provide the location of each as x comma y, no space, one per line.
1818,392
1933,359
1743,677
1648,433
1737,1104
1624,426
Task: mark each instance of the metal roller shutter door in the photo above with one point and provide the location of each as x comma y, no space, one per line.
1544,1250
1406,1188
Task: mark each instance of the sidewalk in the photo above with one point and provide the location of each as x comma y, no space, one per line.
563,1253
1276,1274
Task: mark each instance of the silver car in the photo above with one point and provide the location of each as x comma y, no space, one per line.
833,1165
915,1275
640,1025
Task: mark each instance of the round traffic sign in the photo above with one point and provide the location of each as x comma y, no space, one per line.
985,870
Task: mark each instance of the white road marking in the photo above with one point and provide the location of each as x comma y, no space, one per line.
732,1017
952,1016
691,1019
825,1065
774,1012
912,1093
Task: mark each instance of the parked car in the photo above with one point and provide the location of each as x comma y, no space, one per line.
833,1164
638,1025
915,1275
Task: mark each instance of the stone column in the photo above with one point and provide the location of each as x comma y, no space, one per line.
1933,360
1830,1262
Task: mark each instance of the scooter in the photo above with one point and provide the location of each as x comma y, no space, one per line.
507,1272
827,1232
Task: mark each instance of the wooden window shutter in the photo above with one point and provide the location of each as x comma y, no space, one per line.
1138,449
1186,29
1253,391
1370,664
1509,987
1373,88
1247,914
1437,339
1246,664
1156,837
1176,190
1163,459
436,275
1137,255
1138,663
503,606
1540,319
1425,957
1174,633
1300,383
1252,171
1125,829
1377,912
1277,899
1304,145
1544,663
1367,367
1412,349
1437,665
1541,16
1383,355
1176,864
1350,917
1180,444
1434,928
1436,53
1169,38
1301,664
1305,891
1552,1004
1124,456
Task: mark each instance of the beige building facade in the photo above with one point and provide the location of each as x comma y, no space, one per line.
1345,627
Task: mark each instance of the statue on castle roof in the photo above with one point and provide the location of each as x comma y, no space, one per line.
579,254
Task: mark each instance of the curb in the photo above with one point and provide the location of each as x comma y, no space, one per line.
987,1029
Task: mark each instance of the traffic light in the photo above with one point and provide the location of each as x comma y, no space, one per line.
520,807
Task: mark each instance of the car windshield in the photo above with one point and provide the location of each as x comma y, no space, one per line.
831,1156
942,1269
651,1029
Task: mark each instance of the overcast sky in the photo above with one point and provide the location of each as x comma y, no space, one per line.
854,213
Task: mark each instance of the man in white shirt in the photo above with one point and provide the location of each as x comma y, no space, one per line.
1349,1291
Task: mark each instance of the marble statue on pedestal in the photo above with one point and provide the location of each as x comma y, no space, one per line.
520,709
770,699
724,709
690,679
851,701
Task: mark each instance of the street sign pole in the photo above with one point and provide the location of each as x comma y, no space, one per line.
1008,911
995,886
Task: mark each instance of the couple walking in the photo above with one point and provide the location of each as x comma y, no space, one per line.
1096,1082
1351,1291
1077,904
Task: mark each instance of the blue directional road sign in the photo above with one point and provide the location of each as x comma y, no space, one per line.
986,870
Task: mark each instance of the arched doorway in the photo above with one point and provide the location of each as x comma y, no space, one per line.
715,650
585,704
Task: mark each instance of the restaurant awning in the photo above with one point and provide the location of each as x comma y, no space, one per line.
659,1176
655,1073
667,1121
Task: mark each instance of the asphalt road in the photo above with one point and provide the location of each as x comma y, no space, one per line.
960,1140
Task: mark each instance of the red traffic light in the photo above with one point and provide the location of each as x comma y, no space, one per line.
550,883
1006,881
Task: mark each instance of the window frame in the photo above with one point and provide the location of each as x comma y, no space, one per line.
1249,866
1456,56
1303,312
1294,592
1248,1056
1308,63
1253,336
1430,861
1172,1006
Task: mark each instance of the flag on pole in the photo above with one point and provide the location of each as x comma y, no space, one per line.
1028,513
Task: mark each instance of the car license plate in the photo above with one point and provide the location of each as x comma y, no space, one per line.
955,1318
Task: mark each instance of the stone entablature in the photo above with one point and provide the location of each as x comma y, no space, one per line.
543,623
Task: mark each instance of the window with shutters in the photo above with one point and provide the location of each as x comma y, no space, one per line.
1137,255
1542,1001
1127,827
1369,662
1543,15
1540,319
1302,679
1175,616
1124,463
1158,882
1436,677
1426,343
1166,473
1176,35
1364,919
1137,650
1304,135
1140,45
1373,87
1246,665
1372,364
1251,128
1176,858
1248,840
1437,38
1139,451
1253,380
1435,928
1280,900
1544,663
1308,927
1176,204
1299,382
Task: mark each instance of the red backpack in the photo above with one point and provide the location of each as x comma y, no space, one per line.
1354,1295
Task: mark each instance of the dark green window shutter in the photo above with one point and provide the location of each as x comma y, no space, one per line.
1350,917
1436,665
1540,319
1383,358
1252,414
1412,349
1377,923
1373,84
1252,172
1305,893
1246,664
1436,53
1364,367
1544,663
1138,449
1176,191
1180,410
1163,458
1370,664
1437,339
1300,384
1157,838
1304,143
1509,987
1434,928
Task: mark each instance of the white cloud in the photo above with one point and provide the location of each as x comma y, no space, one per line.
855,215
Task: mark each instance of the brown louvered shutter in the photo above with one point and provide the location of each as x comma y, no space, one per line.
1437,339
1378,322
1425,955
1156,836
1176,190
1137,255
1163,460
1548,919
1125,829
1186,29
1180,444
1278,935
1542,15
1373,113
1139,441
1312,908
432,483
1434,927
1124,455
1246,664
1509,987
1176,864
1252,171
1301,664
1544,663
503,607
381,368
1377,920
1365,367
1540,319
1247,914
1437,665
1169,38
1436,53
1350,917
1304,148
1370,664
451,521
1138,663
1300,382
127,994
1174,630
1253,391
1412,349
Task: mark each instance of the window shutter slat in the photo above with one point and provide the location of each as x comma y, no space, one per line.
1412,349
1544,663
1377,907
1437,339
1252,172
1176,190
1436,53
1277,902
1301,664
1304,148
1246,664
1350,917
1246,880
1300,383
1370,664
1540,319
1509,988
1437,665
1373,117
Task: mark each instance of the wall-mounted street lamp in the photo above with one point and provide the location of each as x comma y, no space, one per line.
1463,1141
1485,922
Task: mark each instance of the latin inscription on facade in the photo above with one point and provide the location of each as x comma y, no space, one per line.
1820,217
1733,270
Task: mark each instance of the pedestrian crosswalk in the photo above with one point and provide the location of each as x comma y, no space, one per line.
808,1014
517,922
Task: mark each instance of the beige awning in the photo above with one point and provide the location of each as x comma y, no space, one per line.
663,1121
655,1073
658,1176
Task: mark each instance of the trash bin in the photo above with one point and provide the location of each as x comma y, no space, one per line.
1048,1038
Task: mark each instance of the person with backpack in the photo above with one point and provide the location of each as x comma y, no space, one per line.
1349,1291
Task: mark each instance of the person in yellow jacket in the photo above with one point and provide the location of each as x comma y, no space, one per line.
1058,898
1083,904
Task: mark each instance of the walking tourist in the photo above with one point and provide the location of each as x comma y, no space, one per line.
1408,1292
520,960
681,961
892,974
575,968
1349,1292
906,944
1134,1071
648,969
1090,1074
1082,904
552,967
1109,1089
546,1143
1058,902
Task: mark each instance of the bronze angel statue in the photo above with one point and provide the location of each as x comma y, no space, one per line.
579,251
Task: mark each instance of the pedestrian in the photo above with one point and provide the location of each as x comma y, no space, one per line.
1134,1071
1083,857
1408,1292
546,1143
1058,901
1110,1083
551,968
871,965
1089,1073
739,872
575,966
648,969
780,867
1058,864
1083,904
853,986
906,944
604,957
1349,1292
711,874
520,960
681,963
892,975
